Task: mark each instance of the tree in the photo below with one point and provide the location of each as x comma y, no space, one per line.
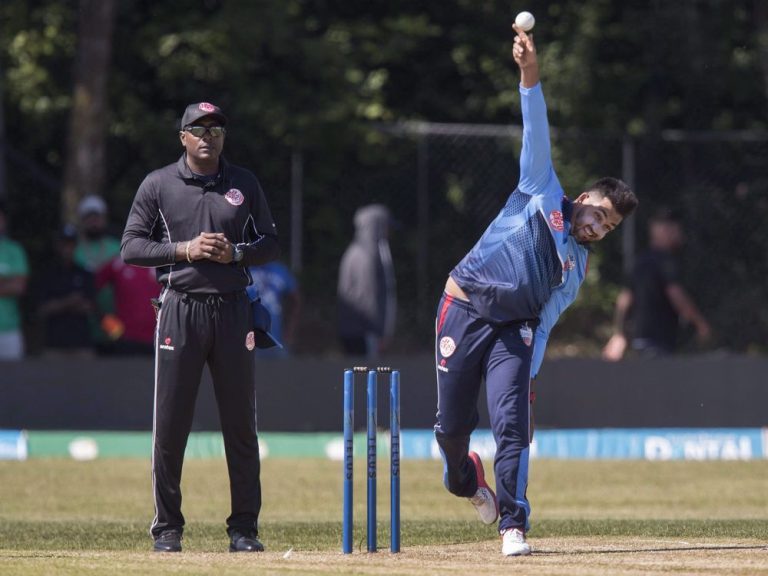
86,150
3,183
318,75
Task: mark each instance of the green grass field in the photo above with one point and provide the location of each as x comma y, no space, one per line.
606,517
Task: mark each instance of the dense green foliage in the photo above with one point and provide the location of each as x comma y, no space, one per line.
316,76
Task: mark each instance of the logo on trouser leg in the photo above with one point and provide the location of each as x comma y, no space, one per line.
447,346
250,341
167,344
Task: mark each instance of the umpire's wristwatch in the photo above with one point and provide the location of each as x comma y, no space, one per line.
237,253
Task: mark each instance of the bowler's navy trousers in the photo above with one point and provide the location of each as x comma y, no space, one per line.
468,350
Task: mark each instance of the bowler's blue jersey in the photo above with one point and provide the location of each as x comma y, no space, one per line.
526,265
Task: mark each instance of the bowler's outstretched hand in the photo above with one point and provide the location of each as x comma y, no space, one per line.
524,53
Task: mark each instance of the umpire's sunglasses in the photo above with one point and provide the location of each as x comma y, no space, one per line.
199,131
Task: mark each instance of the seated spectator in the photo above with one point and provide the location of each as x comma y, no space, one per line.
66,301
13,284
131,328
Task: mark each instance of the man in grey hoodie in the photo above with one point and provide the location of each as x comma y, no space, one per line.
366,297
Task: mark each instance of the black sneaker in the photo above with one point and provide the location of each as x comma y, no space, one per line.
168,541
244,542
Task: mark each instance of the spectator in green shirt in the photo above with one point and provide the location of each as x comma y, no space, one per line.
13,283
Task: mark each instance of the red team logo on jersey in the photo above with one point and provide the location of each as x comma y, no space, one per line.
206,107
234,197
556,220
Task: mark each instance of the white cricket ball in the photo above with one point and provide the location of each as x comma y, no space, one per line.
525,21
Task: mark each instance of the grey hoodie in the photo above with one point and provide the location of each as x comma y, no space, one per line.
367,300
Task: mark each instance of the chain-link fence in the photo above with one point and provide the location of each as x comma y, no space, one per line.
719,182
445,183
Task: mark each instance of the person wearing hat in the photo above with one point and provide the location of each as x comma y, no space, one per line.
201,222
95,248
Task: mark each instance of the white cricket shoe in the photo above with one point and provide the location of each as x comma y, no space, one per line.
513,543
484,499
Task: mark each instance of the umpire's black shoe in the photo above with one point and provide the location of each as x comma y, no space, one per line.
168,541
244,542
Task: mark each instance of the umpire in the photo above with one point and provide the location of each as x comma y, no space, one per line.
201,222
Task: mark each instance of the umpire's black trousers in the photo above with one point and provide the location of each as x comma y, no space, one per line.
193,329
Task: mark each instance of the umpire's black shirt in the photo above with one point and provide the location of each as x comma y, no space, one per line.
174,205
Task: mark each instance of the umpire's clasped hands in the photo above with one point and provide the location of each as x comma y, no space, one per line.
212,246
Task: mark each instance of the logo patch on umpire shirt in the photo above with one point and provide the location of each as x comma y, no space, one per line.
250,341
447,346
556,220
526,334
234,197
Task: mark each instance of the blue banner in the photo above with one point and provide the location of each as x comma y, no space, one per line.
13,445
620,443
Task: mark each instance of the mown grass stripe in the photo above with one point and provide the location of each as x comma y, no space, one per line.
92,535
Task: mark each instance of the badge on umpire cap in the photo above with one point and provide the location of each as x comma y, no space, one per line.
198,110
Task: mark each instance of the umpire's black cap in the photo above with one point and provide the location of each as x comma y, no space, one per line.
198,110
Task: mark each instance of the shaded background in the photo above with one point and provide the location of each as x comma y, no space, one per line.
413,104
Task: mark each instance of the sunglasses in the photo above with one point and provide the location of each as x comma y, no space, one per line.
200,131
